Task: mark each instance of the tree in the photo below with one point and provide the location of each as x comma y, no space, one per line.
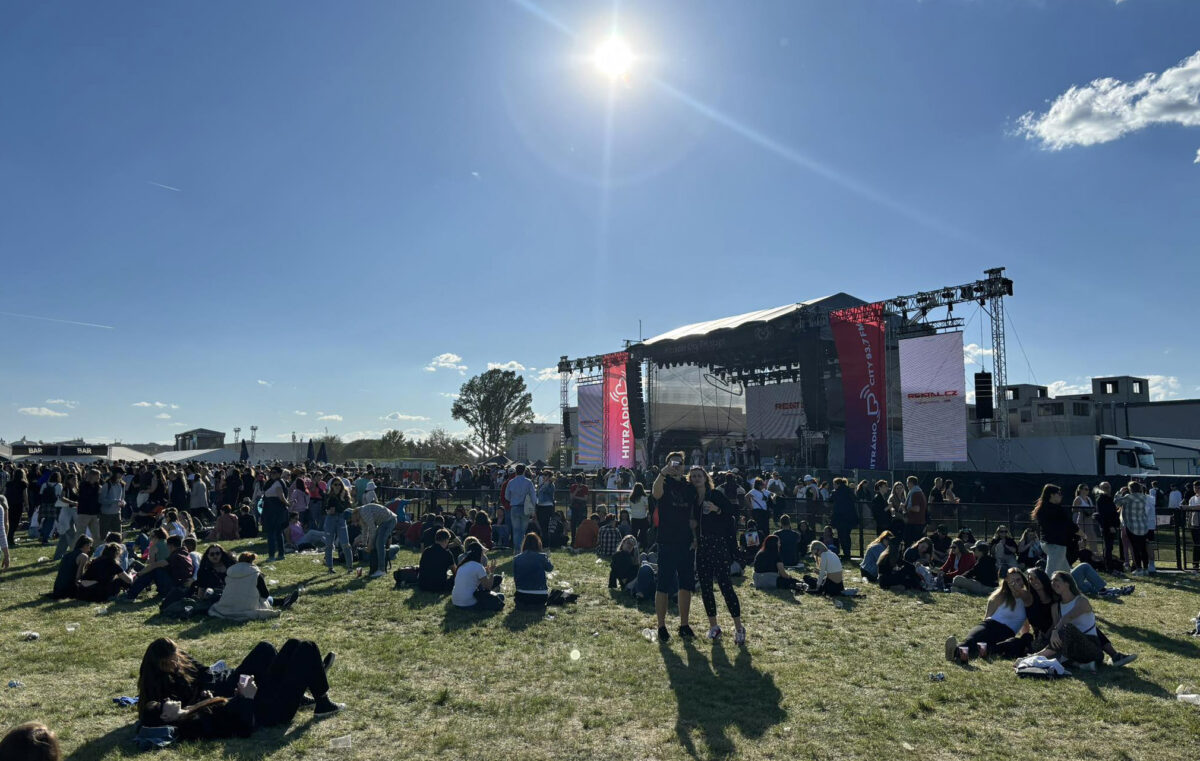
496,405
334,447
393,445
444,448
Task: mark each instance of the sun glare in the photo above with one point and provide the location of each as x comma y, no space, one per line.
613,58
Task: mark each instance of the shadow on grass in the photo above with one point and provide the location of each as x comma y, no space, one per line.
420,599
520,619
1176,645
631,601
234,748
459,619
44,601
1126,679
705,691
121,737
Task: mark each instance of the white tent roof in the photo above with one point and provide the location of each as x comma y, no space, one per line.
737,321
199,455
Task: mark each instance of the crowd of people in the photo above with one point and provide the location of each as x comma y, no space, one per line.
118,529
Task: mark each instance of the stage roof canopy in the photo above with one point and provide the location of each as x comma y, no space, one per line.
753,333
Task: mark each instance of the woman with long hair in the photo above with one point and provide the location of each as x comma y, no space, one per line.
267,689
71,568
1005,617
639,512
104,578
1003,547
769,571
17,493
1057,529
715,553
828,580
1083,509
870,560
624,566
1074,635
338,504
214,567
275,512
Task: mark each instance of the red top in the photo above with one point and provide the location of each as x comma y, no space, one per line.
483,533
957,566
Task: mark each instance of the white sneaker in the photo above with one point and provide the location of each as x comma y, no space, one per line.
739,637
714,633
377,574
1151,569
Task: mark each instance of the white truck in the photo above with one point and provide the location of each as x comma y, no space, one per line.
1077,455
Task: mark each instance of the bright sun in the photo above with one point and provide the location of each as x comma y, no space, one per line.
613,58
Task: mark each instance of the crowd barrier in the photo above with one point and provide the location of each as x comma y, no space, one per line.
1175,546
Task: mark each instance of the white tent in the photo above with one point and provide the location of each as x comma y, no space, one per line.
198,455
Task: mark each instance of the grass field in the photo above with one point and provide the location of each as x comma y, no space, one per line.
424,680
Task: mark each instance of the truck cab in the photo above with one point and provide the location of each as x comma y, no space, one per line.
1123,457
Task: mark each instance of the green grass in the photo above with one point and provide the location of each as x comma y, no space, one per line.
423,679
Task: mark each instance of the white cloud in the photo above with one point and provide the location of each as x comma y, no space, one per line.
41,412
1107,109
415,433
299,412
546,373
142,404
159,405
973,352
163,416
69,405
356,435
1197,161
447,361
338,418
178,425
448,395
1163,387
1062,387
174,406
399,416
513,365
265,383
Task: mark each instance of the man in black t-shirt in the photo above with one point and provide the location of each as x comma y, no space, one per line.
678,519
436,563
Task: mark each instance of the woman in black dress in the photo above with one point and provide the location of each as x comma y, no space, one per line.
716,551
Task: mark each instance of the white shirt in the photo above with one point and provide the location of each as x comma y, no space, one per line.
828,563
1174,499
639,509
466,581
758,500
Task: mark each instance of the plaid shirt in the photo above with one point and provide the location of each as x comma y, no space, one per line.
609,540
1134,515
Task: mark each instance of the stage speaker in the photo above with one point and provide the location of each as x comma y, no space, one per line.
983,396
637,407
566,413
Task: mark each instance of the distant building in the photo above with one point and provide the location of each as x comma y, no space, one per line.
199,438
538,443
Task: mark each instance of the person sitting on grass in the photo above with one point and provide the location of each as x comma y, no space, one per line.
267,689
958,561
828,539
1003,548
1029,549
529,578
608,538
299,539
247,525
623,570
1075,636
104,578
789,542
1004,618
981,578
30,741
870,560
481,529
226,529
894,572
245,597
1038,619
1089,581
474,585
769,571
750,543
941,542
828,580
587,535
556,532
435,572
214,569
71,568
807,535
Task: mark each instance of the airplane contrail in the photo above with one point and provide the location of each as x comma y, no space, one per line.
55,319
164,187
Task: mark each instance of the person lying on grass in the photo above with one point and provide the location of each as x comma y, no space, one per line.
267,689
1004,618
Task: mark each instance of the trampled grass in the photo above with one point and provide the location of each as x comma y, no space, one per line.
423,679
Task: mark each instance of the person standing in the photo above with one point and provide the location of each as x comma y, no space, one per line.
760,509
88,519
519,493
112,499
1056,527
1110,525
337,506
578,512
1136,522
1193,523
545,502
16,491
274,513
715,553
49,496
1082,509
845,514
914,511
4,559
68,516
678,524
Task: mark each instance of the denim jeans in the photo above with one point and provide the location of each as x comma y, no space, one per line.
275,521
335,532
66,531
383,538
519,523
316,514
1086,578
1056,558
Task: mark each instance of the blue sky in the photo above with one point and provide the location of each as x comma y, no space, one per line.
282,208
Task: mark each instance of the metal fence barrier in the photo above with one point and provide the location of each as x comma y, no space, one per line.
1176,543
